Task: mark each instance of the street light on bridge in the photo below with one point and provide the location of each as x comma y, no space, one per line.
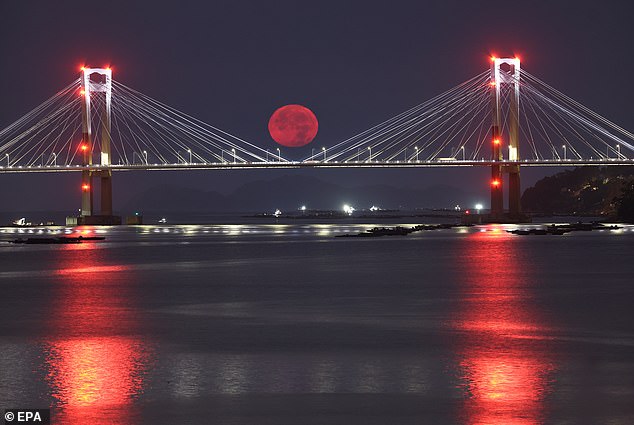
370,149
416,149
279,155
8,164
323,149
233,151
618,151
190,156
564,148
145,156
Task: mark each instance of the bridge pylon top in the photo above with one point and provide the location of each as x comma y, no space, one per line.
92,85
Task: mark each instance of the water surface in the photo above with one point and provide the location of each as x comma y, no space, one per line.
285,324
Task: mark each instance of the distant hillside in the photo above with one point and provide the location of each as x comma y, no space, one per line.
584,190
289,192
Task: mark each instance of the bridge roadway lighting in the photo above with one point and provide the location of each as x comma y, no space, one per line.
463,154
279,155
7,155
233,151
145,156
190,155
416,149
618,151
370,149
564,148
323,148
54,159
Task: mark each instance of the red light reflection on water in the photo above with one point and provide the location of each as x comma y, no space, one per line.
95,362
96,371
504,360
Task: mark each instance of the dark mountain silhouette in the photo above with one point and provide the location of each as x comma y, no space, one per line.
290,192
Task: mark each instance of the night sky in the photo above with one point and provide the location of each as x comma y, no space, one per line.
354,63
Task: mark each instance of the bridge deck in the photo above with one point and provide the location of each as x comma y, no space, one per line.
313,164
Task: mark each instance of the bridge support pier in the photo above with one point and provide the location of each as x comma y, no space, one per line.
497,195
86,194
106,194
515,192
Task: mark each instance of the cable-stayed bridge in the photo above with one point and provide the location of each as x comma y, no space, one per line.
97,125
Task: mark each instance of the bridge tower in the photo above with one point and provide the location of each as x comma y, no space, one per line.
505,72
100,86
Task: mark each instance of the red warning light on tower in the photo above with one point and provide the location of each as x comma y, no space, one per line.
495,183
83,147
496,142
85,187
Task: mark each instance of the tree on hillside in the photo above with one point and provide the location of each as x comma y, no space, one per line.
584,190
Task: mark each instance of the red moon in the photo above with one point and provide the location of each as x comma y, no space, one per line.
293,126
